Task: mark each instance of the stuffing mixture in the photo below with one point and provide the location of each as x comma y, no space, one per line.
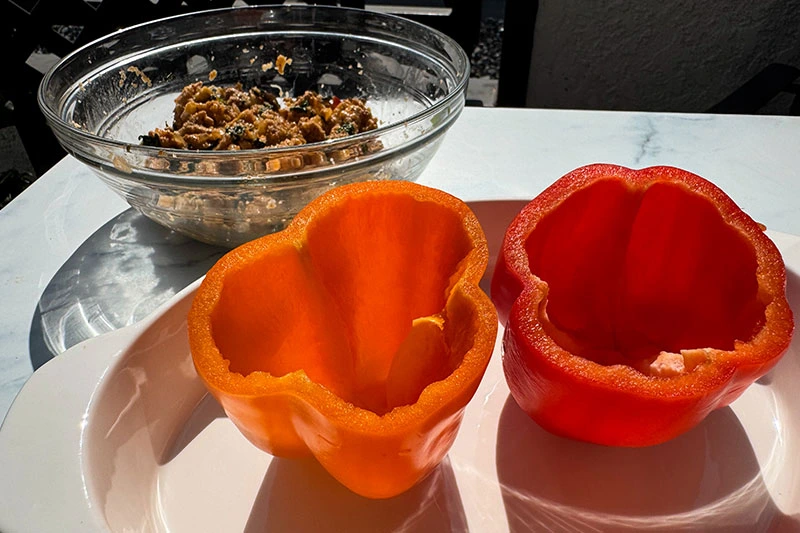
208,117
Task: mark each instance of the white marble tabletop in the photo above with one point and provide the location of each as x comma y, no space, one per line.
77,262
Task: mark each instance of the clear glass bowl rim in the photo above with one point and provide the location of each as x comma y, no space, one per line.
53,116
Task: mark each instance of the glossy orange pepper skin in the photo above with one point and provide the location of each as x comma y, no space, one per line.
607,267
356,335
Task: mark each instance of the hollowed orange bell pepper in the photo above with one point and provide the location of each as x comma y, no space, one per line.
358,334
635,303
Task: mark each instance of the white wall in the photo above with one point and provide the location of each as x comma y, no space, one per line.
656,55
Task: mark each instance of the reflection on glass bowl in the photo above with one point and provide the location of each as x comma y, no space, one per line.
100,99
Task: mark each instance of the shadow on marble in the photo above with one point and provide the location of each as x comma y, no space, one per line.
119,275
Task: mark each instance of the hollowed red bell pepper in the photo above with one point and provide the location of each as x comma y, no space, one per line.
635,303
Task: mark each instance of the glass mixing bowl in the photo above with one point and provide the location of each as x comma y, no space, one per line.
100,99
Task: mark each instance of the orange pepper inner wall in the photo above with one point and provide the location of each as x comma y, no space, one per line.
632,272
340,305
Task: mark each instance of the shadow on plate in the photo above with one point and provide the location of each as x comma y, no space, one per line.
119,275
705,480
299,496
204,414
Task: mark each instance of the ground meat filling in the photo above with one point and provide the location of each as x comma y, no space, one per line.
208,117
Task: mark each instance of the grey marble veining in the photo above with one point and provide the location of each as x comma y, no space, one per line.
76,262
511,153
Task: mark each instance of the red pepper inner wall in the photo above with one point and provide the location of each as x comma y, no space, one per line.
632,272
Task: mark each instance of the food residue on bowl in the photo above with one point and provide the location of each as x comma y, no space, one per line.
281,63
136,72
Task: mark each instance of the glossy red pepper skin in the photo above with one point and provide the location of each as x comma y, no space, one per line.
602,397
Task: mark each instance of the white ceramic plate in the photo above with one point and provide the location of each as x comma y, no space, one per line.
118,434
